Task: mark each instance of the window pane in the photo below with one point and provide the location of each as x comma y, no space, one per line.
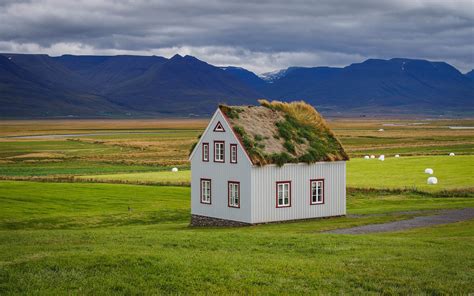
233,153
219,151
313,192
283,194
205,148
234,191
317,191
205,191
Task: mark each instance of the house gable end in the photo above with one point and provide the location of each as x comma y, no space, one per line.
210,134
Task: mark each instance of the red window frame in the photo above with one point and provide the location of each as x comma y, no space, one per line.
228,194
289,194
311,192
203,155
233,146
223,151
210,191
219,127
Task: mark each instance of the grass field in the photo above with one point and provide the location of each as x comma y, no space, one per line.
404,173
86,238
160,178
82,239
408,172
78,147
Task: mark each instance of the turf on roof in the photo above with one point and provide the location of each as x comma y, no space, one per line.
279,133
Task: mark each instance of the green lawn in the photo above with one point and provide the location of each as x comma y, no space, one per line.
405,172
73,167
444,149
408,172
77,238
162,177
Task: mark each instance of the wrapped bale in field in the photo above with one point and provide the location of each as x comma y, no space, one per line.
432,181
429,171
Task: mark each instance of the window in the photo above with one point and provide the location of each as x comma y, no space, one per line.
206,191
234,194
283,194
205,151
219,151
233,153
219,127
317,191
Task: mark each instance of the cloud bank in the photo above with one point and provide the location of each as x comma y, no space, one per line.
259,35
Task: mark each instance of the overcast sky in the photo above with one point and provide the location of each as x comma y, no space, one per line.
258,35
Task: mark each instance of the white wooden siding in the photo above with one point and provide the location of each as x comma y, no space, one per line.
220,174
264,191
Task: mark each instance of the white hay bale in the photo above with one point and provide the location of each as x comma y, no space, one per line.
372,156
429,171
451,154
174,170
382,157
366,157
432,180
381,130
397,155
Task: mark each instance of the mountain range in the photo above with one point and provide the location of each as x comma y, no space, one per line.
143,86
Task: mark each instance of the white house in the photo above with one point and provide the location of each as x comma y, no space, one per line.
259,164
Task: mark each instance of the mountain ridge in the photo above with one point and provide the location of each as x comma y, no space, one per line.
128,85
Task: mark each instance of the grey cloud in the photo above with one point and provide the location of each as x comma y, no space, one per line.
262,35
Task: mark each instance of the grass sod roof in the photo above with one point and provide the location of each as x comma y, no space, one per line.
279,133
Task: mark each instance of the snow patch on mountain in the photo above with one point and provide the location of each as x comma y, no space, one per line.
271,77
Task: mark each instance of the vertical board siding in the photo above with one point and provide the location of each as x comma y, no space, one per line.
220,174
264,191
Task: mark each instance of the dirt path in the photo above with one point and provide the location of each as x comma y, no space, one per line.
444,217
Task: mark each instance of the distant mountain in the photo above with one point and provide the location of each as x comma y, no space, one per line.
36,86
247,77
182,85
470,74
91,86
382,86
98,86
106,71
398,83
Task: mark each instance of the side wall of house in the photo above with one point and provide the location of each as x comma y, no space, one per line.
220,174
264,191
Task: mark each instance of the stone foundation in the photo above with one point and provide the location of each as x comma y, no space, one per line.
197,220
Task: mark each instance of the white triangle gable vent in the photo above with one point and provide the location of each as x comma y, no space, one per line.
219,127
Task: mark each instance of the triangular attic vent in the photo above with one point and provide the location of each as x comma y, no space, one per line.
219,127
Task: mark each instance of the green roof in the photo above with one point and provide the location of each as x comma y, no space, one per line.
279,133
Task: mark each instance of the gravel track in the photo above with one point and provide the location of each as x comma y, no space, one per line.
444,217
